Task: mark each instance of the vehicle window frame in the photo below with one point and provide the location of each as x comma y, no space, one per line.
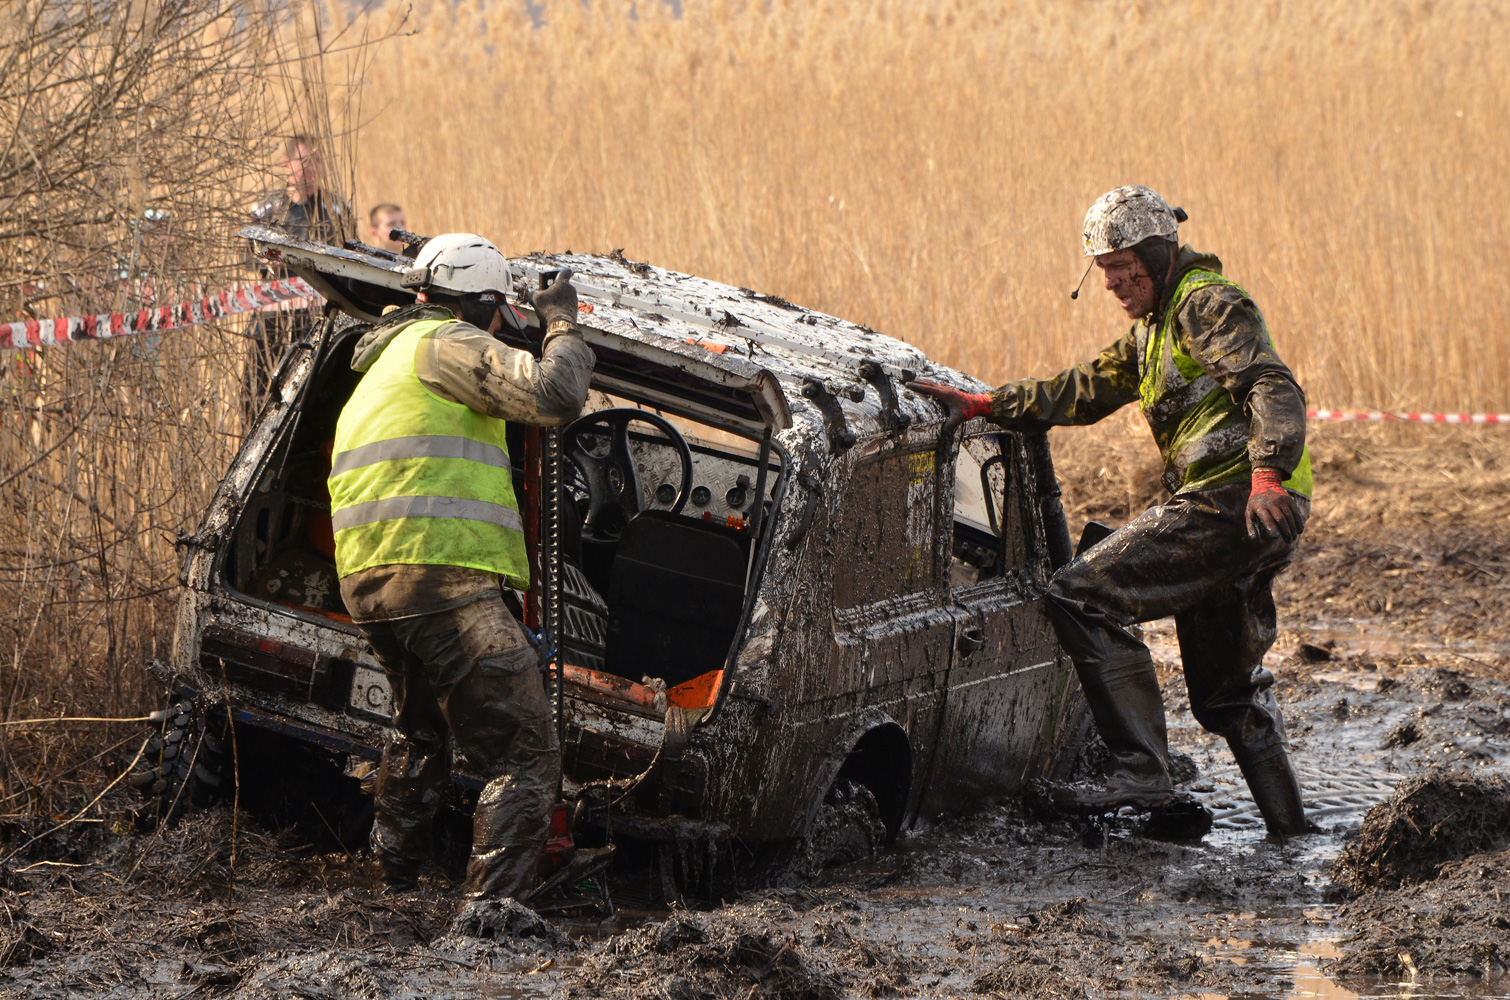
1033,568
930,592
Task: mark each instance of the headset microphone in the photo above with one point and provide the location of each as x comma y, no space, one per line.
1076,293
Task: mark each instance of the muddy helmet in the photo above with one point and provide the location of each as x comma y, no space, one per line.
459,264
1125,217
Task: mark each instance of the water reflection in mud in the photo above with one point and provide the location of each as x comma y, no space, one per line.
1303,963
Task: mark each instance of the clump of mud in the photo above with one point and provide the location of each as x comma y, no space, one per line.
1456,925
1440,682
1065,950
1430,820
308,975
21,940
216,903
744,951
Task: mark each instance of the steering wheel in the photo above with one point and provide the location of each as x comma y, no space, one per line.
611,472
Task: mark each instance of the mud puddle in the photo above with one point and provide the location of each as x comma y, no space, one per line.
1305,965
1001,905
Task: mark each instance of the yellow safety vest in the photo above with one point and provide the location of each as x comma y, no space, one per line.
1201,432
416,479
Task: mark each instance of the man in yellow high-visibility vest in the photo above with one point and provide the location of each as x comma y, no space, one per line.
1229,420
427,528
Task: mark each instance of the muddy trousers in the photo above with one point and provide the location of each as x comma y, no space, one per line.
1191,558
469,673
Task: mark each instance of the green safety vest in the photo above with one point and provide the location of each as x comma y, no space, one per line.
418,480
1201,432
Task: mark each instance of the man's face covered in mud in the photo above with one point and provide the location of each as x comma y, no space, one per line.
1129,279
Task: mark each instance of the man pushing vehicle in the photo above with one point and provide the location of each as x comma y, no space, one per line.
427,527
1229,420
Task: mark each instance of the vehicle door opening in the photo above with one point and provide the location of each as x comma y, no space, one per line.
664,515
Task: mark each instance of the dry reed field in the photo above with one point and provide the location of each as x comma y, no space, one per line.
923,167
919,167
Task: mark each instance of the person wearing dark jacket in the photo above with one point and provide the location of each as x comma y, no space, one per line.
303,209
1229,420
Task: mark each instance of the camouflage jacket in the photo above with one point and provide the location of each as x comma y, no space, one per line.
1219,327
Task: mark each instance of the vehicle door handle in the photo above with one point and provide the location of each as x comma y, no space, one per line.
970,640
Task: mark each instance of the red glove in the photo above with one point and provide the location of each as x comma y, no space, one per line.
962,406
1271,508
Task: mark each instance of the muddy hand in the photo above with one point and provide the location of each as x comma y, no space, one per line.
962,406
1272,512
558,302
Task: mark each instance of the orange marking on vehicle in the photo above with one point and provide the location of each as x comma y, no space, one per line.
699,692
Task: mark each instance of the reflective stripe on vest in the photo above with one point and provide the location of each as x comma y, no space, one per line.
419,446
417,479
396,507
1202,434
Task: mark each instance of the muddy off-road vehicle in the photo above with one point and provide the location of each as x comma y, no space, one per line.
775,594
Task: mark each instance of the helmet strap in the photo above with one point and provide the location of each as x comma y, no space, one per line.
1157,254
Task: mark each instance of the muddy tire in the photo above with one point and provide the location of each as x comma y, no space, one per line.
848,829
187,764
1080,753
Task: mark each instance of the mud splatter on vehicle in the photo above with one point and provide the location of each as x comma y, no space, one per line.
788,597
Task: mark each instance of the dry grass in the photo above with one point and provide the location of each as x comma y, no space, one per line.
133,136
923,167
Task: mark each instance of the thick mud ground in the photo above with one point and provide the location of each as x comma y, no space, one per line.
1402,708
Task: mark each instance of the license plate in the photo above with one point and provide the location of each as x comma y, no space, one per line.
370,694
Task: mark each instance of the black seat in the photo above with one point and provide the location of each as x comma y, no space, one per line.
674,597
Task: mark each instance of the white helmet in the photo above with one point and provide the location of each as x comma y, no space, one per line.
1125,217
459,264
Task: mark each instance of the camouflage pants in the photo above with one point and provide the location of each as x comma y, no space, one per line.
468,672
1190,557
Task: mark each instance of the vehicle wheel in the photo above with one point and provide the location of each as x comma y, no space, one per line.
848,828
1081,754
187,764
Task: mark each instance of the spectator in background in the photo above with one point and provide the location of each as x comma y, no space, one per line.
303,208
383,219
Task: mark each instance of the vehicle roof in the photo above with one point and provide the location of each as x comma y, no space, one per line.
733,336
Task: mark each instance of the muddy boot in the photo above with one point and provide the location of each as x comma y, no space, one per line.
509,830
1122,690
1266,768
1125,701
1117,790
408,794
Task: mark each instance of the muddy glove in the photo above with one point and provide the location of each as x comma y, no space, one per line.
962,406
558,302
1272,512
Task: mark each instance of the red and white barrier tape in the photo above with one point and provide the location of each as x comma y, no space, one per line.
1418,418
295,293
286,293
